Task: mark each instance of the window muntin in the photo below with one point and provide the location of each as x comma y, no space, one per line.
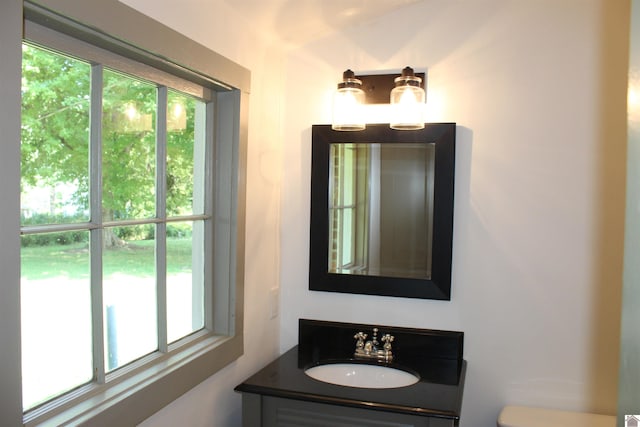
144,241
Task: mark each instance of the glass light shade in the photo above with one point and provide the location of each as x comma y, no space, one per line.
348,101
407,102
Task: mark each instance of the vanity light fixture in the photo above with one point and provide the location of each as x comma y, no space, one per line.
404,93
347,104
407,100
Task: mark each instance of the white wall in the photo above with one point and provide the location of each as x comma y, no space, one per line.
538,91
213,402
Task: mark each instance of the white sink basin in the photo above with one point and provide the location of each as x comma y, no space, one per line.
361,375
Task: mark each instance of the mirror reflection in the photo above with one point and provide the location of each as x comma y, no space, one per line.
381,209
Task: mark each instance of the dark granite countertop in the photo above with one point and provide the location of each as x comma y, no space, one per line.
437,394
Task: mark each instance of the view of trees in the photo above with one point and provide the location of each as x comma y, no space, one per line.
56,92
58,162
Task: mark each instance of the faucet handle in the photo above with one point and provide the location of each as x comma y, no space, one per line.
387,339
360,336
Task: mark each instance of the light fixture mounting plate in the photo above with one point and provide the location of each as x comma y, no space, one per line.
377,87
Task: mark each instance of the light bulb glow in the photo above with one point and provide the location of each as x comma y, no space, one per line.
132,120
131,112
177,115
178,110
408,98
407,108
347,109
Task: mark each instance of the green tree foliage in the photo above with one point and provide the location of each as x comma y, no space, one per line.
55,119
128,147
56,94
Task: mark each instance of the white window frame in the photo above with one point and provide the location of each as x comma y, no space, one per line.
135,393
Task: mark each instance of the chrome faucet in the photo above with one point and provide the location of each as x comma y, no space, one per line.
370,349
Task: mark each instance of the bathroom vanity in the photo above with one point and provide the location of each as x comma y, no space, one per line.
282,394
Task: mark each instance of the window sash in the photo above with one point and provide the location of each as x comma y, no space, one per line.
96,225
139,391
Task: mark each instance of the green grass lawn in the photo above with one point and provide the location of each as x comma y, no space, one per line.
72,261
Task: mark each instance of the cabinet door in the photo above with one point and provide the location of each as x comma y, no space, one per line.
278,412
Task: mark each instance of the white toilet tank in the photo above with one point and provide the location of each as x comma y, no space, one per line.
523,416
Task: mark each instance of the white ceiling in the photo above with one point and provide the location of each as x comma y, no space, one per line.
296,22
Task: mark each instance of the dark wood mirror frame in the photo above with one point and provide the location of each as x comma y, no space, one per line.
439,285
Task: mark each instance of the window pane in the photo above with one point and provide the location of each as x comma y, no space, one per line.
185,154
55,138
128,148
185,279
347,234
129,293
56,316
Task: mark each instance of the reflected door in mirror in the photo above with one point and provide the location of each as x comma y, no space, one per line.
381,209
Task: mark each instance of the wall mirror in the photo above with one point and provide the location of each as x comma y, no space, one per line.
382,211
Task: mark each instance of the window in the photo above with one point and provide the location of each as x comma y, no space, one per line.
113,220
349,208
131,280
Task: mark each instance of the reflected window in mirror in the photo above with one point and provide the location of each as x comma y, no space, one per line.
382,211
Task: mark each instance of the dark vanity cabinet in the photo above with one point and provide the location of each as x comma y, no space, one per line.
269,411
281,394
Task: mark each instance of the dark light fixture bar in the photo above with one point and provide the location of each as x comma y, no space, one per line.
377,87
